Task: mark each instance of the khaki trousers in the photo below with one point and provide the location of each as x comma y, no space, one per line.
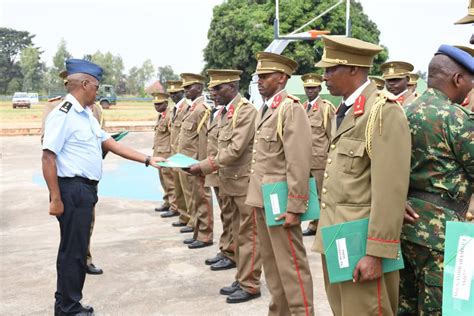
318,175
203,215
378,297
286,268
179,198
187,188
248,258
226,241
167,182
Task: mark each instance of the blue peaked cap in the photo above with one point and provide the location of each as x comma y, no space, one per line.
458,55
74,66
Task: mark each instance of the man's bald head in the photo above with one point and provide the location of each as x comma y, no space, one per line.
449,77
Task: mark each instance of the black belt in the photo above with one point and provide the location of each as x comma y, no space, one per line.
79,179
459,207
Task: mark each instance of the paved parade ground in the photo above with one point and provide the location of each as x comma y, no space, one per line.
147,268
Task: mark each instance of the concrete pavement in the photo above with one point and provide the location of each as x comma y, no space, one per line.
147,269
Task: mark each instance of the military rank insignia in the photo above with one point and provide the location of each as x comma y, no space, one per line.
359,105
230,113
276,101
65,107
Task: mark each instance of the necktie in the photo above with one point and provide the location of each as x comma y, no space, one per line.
224,111
264,109
211,117
309,107
341,113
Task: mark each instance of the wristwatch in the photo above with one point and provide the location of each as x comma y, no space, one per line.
147,161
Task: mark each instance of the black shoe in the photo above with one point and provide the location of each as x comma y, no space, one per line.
85,311
186,229
199,244
213,260
92,269
189,241
162,208
309,232
228,290
169,214
241,296
223,264
178,224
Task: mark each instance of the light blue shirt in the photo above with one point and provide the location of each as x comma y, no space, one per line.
76,138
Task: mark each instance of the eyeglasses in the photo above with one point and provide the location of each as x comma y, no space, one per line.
96,85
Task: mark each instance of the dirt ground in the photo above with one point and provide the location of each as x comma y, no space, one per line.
147,269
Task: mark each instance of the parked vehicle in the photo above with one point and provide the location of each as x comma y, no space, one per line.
21,99
106,96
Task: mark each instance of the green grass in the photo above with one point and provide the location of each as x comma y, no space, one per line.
122,111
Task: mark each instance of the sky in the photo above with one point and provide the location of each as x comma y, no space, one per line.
174,32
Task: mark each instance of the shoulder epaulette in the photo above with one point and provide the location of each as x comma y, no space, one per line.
329,106
293,98
65,107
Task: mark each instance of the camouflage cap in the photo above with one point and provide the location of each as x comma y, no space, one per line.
469,18
413,79
312,80
189,79
380,82
174,86
219,76
268,63
160,97
347,51
396,69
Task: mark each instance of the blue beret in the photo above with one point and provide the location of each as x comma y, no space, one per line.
74,66
458,55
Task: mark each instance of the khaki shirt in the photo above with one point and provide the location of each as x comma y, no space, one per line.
176,121
192,140
212,179
234,144
162,138
282,158
356,186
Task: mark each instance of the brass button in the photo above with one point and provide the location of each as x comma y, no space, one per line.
323,205
329,160
258,132
326,175
255,141
324,190
333,146
252,171
254,151
253,160
208,140
235,176
351,153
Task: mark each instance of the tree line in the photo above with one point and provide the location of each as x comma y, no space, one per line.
22,68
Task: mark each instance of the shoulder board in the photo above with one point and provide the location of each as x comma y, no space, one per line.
292,97
65,107
243,101
55,98
327,102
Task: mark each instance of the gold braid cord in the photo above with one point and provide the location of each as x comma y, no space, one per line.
236,111
204,119
281,114
326,112
369,129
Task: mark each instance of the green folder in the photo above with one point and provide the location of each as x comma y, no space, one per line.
178,161
458,277
119,136
275,201
345,244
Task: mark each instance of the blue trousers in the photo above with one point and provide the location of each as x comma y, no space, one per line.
79,197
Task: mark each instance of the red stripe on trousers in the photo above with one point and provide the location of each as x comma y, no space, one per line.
379,299
293,253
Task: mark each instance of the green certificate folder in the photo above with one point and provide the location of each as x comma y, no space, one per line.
119,136
275,201
345,244
458,277
178,161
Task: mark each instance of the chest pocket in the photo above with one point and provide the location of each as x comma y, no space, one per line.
189,129
82,136
224,136
350,155
268,140
316,121
162,128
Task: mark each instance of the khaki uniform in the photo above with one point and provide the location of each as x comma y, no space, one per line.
226,242
177,114
356,186
162,148
97,111
193,143
282,152
232,162
406,98
320,115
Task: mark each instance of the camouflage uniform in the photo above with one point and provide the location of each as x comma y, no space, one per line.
442,164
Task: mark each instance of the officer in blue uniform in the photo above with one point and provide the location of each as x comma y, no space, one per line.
72,166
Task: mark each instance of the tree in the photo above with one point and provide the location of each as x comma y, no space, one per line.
253,19
53,83
138,77
112,65
32,69
12,42
166,73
